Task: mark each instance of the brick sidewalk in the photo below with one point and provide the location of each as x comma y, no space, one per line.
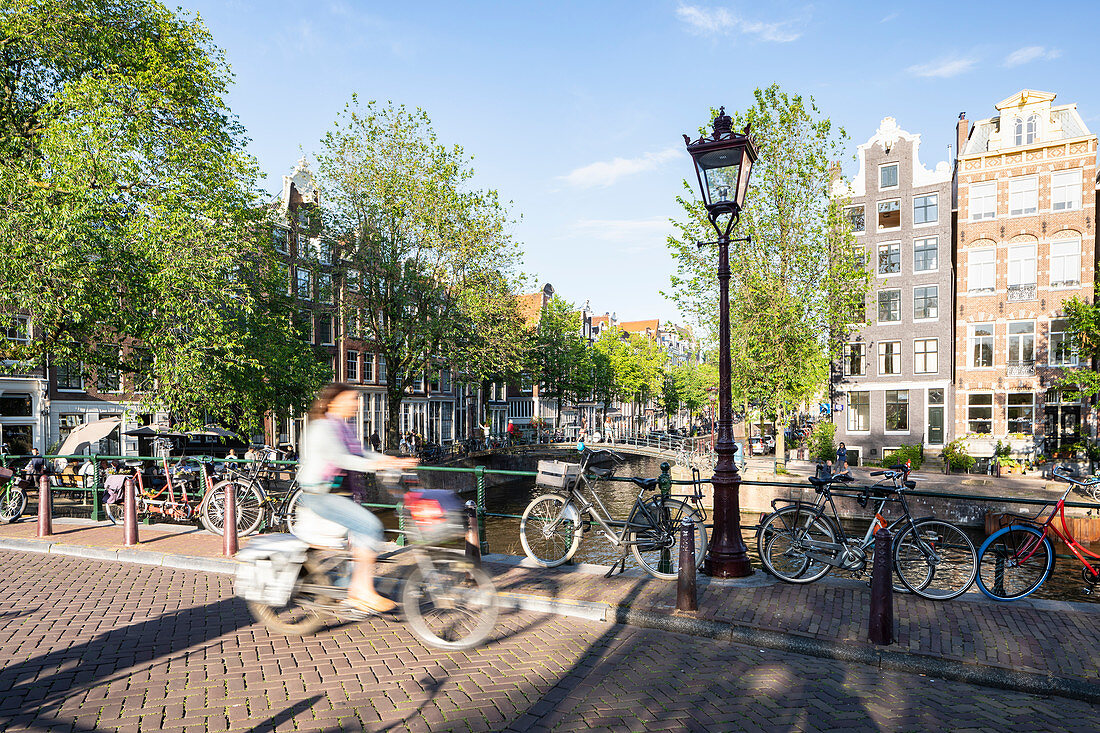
1040,637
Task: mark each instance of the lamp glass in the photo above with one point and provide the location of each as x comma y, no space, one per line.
719,170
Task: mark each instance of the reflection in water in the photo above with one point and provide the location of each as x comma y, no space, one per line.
511,498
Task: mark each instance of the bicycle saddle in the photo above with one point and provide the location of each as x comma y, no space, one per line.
840,478
646,483
601,472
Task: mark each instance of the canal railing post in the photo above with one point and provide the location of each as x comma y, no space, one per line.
129,513
229,530
473,541
45,506
98,515
479,473
664,481
880,628
687,598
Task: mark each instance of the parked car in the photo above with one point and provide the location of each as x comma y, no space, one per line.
756,446
769,443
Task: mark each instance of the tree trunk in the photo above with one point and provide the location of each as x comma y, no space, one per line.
780,438
393,405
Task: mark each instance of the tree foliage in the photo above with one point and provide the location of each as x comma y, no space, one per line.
797,284
560,355
128,220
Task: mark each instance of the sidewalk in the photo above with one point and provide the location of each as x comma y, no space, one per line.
1034,646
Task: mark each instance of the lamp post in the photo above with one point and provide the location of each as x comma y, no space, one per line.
723,162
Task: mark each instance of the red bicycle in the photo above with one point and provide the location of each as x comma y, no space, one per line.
1019,558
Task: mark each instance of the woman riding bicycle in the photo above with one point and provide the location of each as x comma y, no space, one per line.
332,455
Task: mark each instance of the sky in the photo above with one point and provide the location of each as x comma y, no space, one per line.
574,111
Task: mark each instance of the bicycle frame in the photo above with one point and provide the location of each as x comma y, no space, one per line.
1064,534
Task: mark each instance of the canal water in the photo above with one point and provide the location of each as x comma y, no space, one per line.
511,498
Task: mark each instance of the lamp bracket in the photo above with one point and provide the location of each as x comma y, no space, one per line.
700,245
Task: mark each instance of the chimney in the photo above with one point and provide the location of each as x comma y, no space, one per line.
962,132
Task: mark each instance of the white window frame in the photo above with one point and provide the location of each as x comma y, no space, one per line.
331,330
885,407
1020,190
878,258
16,333
325,289
1065,262
1019,257
897,176
57,378
878,303
367,368
895,357
920,358
1019,338
351,358
878,226
1008,408
1065,190
972,340
969,407
990,265
866,430
847,359
847,213
935,249
285,249
983,192
935,204
298,284
929,319
351,277
1066,335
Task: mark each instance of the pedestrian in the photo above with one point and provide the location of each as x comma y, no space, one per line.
37,464
251,454
332,455
376,442
511,433
841,458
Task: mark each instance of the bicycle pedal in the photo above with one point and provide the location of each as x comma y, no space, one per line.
1087,590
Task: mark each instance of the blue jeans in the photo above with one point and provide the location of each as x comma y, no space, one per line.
364,529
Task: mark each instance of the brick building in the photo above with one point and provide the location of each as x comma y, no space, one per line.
1025,206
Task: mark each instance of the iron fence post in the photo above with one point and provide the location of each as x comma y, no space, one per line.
479,472
98,515
664,481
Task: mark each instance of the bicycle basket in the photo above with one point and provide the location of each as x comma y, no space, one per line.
557,474
433,515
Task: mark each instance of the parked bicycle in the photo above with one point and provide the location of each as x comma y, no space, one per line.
1017,559
13,490
800,543
292,587
551,527
259,501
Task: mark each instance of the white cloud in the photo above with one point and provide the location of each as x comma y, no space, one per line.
1027,54
607,172
890,17
637,231
719,21
943,68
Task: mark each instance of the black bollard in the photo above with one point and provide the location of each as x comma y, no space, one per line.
686,597
129,514
880,628
45,507
473,542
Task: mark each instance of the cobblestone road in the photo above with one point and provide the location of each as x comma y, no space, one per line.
94,646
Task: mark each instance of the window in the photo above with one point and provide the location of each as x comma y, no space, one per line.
926,356
66,423
303,217
889,357
279,238
324,287
1023,196
352,366
979,413
935,416
926,302
305,283
897,410
108,380
981,345
859,412
925,256
18,329
889,214
889,258
1021,412
981,270
854,364
1065,190
1031,131
1065,263
1021,344
926,209
15,404
889,306
368,367
433,381
1063,351
1018,131
352,279
445,380
1021,272
381,368
322,250
857,218
324,329
983,200
888,176
70,375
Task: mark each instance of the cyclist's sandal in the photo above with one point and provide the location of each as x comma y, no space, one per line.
382,605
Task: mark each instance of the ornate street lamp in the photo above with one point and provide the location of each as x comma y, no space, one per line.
723,163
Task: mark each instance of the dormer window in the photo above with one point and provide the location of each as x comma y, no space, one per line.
1018,131
1031,131
888,176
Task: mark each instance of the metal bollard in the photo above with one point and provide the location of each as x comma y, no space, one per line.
229,528
880,628
686,597
45,507
129,513
479,473
473,542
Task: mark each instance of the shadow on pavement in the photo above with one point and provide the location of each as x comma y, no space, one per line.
286,715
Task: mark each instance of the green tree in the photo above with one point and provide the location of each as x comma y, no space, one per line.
796,285
129,230
431,248
559,354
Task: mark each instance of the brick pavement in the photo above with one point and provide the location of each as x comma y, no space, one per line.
99,646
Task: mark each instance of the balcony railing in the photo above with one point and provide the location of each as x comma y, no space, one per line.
1021,368
1017,293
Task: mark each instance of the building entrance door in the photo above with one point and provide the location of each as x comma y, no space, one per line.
1063,426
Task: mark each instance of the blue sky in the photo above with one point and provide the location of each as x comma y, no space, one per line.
574,110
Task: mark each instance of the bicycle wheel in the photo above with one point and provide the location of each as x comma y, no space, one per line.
935,559
1013,562
550,530
13,502
657,548
787,535
291,518
299,615
453,605
250,508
